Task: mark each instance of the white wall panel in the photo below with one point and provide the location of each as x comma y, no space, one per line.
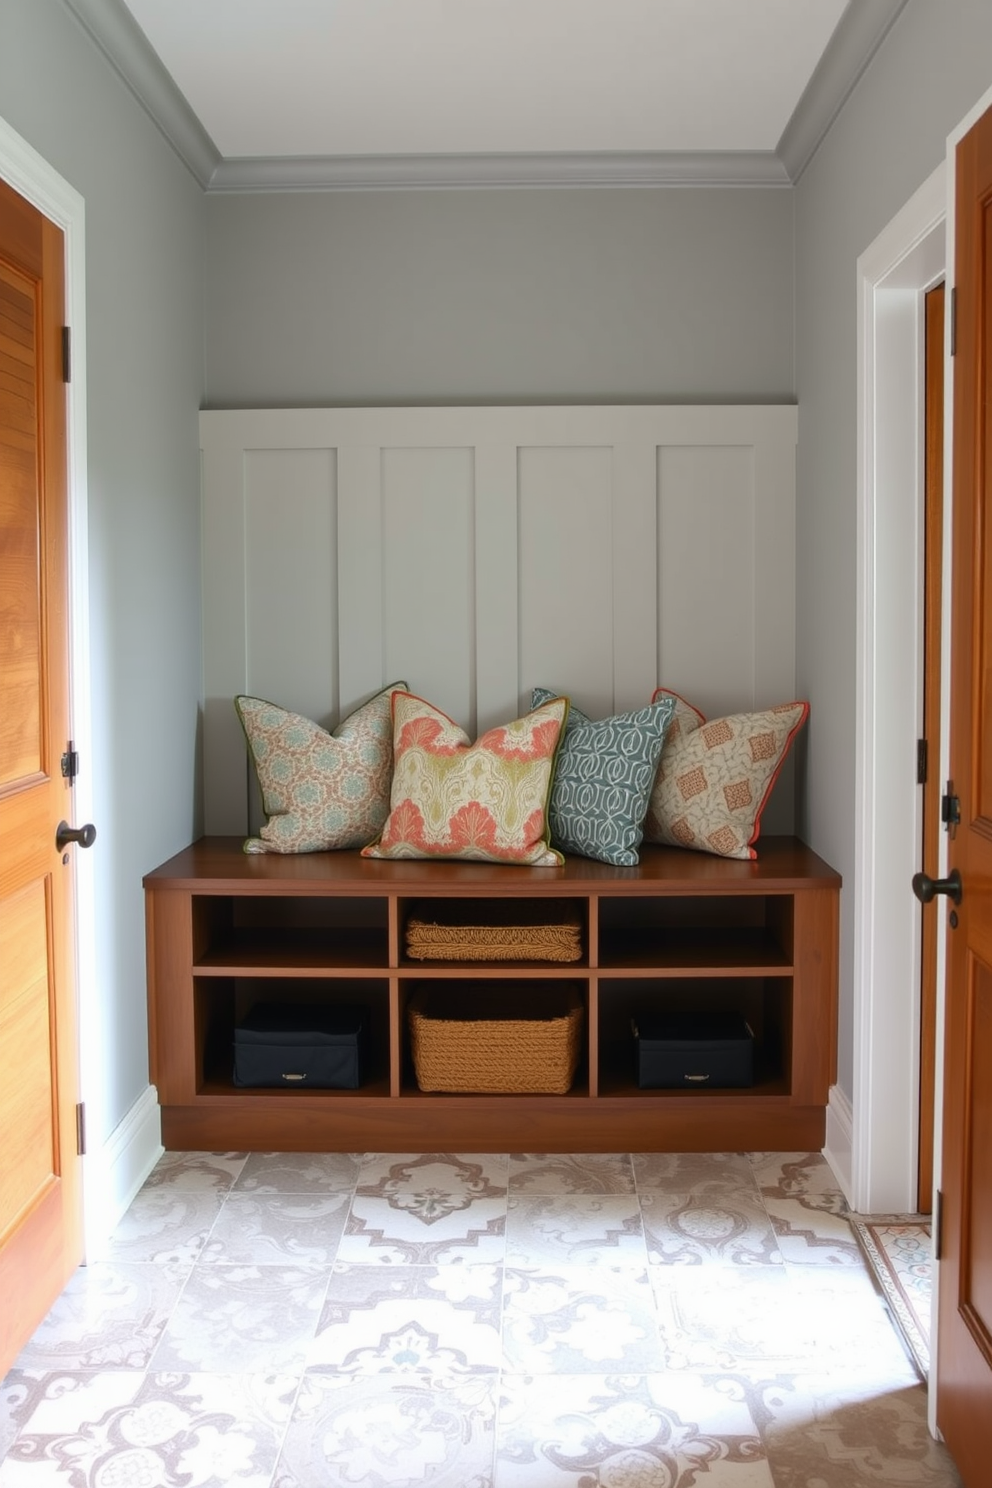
291,580
428,567
478,552
706,575
565,574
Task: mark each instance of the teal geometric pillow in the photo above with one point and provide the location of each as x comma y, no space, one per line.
603,779
320,791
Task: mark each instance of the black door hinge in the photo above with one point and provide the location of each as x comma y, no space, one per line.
66,354
921,761
937,1225
950,810
80,1130
70,764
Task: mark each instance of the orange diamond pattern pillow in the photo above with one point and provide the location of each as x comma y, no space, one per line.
451,798
714,778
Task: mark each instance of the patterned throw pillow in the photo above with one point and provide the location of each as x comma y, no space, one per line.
603,779
455,799
320,791
714,778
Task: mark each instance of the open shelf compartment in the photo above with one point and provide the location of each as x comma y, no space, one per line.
278,934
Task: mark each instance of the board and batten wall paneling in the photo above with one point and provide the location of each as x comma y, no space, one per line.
479,552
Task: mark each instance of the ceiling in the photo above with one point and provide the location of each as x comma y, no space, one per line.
366,92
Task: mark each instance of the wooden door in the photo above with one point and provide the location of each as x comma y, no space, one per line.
40,1197
964,1344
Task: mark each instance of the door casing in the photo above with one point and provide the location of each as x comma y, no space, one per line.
879,1167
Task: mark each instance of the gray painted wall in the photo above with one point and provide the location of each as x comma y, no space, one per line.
935,64
681,295
144,261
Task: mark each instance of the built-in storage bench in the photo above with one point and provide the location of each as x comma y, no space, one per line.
683,930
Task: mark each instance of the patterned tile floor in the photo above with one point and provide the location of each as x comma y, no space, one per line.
524,1321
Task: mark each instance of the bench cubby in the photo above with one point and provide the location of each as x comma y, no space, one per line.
681,931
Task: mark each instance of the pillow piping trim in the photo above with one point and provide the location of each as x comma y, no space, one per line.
778,768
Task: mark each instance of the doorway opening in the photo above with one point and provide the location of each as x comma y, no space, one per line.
907,259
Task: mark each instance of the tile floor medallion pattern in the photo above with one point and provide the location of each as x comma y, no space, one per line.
430,1320
898,1250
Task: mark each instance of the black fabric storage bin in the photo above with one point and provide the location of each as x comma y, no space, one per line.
693,1051
300,1047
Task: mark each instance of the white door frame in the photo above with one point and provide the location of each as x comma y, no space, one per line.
906,259
33,178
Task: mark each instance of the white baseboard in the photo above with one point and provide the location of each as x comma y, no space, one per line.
839,1144
113,1175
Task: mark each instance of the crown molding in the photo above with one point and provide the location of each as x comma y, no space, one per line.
474,172
860,32
121,40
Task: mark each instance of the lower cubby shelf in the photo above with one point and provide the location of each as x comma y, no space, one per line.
220,1003
765,1003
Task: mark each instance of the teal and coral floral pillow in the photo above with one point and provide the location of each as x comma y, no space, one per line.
714,778
454,799
320,791
603,779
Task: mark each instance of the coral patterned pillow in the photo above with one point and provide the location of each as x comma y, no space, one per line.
714,778
455,799
320,791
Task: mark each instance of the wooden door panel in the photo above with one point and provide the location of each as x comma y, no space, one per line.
27,1094
20,620
982,818
976,1287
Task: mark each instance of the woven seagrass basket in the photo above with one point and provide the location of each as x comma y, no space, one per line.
496,930
525,1039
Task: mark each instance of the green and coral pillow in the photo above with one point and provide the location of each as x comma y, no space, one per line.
714,778
320,791
603,779
454,799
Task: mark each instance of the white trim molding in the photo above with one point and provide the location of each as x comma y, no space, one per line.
838,1145
114,30
116,1171
644,169
892,274
859,34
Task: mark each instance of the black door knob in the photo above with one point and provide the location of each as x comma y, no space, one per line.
925,887
64,834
